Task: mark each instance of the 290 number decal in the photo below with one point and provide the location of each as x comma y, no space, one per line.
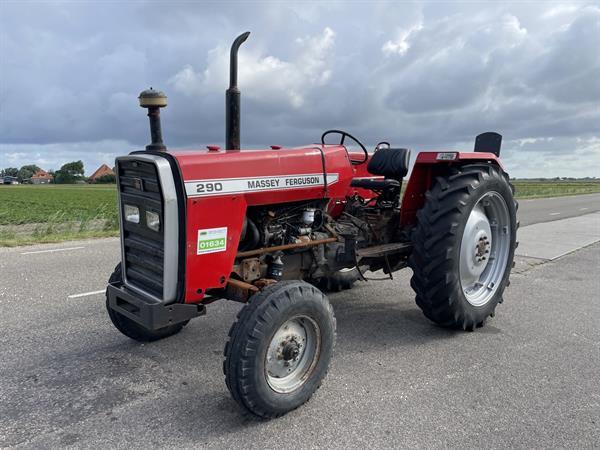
209,187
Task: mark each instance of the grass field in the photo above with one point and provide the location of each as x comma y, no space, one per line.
540,189
34,214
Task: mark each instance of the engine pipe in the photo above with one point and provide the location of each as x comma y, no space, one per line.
154,100
277,248
232,98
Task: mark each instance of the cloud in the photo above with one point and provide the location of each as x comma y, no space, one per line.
557,157
447,56
401,44
569,71
53,156
422,75
265,77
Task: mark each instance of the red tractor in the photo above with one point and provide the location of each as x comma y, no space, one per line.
275,228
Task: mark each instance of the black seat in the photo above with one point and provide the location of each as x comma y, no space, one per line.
390,162
489,142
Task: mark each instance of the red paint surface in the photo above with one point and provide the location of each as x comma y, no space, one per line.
212,270
209,271
426,168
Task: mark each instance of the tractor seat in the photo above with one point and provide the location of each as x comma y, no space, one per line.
372,184
390,162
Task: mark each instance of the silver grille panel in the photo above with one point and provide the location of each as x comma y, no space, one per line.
149,258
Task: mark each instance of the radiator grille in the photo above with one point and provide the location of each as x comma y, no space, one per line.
143,248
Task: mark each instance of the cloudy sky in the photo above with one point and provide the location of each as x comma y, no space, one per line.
423,75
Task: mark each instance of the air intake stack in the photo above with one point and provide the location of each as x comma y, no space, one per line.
154,100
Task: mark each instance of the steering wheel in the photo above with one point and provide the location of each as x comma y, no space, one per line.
342,139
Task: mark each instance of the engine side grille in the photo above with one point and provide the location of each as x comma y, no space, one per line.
143,248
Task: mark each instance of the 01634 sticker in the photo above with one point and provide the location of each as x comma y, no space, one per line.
212,240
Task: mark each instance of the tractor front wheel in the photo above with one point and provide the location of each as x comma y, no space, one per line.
463,246
279,348
130,328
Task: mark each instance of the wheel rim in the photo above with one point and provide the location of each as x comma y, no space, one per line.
485,248
292,354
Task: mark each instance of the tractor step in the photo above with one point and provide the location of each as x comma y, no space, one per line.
378,251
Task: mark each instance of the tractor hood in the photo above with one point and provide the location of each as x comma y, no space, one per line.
267,176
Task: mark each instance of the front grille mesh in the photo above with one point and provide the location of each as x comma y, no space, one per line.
143,248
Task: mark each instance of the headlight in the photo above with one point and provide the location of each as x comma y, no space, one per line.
132,213
153,220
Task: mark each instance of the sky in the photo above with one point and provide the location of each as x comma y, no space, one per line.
422,75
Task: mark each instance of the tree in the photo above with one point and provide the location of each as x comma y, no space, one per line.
9,172
69,173
26,172
105,179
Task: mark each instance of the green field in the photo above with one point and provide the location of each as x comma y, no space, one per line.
50,213
33,214
540,189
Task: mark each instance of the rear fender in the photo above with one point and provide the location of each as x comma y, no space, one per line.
428,166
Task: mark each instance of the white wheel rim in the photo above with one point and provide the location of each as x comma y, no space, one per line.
484,249
292,354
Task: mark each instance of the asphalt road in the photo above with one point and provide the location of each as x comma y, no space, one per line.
527,379
556,208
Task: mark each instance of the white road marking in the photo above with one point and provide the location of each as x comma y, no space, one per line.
52,250
554,214
87,294
583,209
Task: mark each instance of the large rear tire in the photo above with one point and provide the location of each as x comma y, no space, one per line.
463,246
279,348
130,328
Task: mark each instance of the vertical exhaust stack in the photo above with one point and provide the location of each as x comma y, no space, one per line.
232,98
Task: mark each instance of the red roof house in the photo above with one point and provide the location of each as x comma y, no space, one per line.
41,177
101,171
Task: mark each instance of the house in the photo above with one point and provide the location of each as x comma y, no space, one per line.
41,177
101,171
10,180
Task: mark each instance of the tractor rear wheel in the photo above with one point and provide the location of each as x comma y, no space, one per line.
132,329
279,348
463,246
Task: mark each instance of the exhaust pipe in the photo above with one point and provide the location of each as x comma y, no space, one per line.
232,98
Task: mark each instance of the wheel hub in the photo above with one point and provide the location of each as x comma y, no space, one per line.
291,354
476,246
484,248
290,351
